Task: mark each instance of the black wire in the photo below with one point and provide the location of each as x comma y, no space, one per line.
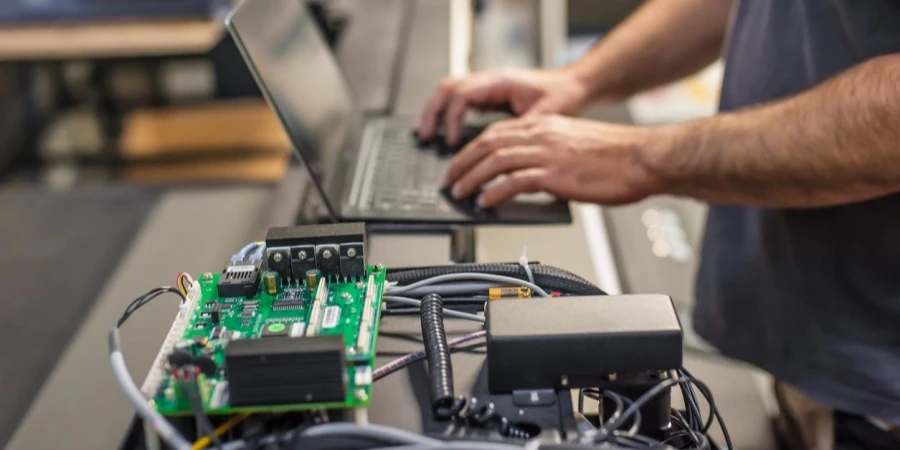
193,394
621,403
146,298
679,420
692,407
641,401
707,393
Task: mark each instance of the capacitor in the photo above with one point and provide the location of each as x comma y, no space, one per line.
312,279
271,284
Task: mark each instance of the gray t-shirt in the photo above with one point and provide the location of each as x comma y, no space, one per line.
810,295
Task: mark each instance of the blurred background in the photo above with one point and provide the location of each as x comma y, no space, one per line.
99,92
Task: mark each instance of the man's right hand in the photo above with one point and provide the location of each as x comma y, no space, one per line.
525,92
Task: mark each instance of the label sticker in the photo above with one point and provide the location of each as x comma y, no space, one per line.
332,315
363,376
298,329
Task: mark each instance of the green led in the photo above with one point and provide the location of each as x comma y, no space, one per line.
276,327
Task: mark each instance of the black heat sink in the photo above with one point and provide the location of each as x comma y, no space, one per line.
286,370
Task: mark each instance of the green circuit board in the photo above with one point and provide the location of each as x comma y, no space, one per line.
289,312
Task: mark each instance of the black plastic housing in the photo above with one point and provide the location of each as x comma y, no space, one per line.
239,280
283,370
571,342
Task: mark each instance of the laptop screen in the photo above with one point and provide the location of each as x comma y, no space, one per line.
300,78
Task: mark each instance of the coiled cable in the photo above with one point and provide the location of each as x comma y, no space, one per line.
444,404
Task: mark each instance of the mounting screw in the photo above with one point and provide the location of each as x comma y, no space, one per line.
379,267
351,252
302,254
564,381
361,395
326,254
278,258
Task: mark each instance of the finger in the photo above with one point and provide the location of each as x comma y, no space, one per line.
428,119
489,140
502,161
522,181
484,92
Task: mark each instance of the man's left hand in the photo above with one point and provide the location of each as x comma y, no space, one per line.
573,159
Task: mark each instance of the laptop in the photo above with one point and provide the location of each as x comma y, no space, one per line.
365,169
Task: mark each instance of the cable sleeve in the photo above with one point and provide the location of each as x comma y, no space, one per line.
437,352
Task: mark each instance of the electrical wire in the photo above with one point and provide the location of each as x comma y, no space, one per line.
707,394
146,298
233,422
447,312
192,392
184,281
164,429
404,361
242,254
456,288
611,426
467,276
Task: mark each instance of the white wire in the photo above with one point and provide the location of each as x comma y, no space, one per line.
467,276
447,312
459,287
166,431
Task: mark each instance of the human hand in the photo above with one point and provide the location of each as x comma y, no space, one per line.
525,91
574,159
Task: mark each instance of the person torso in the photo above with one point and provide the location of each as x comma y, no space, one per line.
810,295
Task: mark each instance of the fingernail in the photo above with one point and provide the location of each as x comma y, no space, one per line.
456,192
480,201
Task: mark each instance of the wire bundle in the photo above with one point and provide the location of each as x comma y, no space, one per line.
688,431
552,278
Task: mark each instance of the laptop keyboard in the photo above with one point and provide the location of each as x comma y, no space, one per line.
406,180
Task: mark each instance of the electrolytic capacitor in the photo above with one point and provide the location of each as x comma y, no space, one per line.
271,284
312,279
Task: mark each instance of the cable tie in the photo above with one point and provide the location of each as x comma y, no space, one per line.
523,261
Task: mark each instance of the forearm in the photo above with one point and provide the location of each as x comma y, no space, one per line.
836,143
663,41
